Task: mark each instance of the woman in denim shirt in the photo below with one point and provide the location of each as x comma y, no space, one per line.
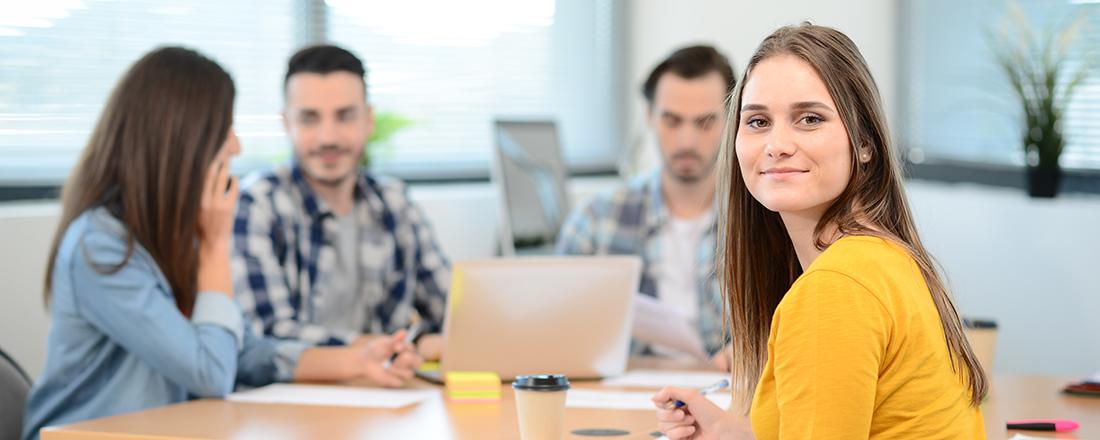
139,280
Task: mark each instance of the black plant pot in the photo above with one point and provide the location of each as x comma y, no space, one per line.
1043,182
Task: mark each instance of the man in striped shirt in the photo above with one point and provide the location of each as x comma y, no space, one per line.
325,251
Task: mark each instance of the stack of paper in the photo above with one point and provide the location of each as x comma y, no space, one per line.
657,324
660,379
472,386
593,398
330,395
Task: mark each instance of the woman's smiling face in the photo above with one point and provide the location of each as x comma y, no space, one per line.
792,146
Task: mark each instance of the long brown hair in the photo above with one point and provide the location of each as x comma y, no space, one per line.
146,160
758,263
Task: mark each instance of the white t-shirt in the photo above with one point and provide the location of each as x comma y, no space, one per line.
679,241
340,303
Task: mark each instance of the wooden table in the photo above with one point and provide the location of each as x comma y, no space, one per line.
1038,397
437,418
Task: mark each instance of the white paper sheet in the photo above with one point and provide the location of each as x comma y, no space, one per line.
669,378
1026,437
640,400
329,395
659,324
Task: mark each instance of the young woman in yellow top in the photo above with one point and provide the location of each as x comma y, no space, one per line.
842,328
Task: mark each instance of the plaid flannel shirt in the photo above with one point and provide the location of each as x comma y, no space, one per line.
282,247
628,221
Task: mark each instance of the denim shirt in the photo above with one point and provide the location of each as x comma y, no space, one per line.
118,343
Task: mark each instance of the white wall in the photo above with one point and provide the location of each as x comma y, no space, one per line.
464,216
25,233
657,27
1033,265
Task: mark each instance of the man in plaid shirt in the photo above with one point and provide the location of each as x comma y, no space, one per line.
325,252
668,217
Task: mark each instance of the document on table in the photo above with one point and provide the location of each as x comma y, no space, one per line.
659,324
660,379
602,399
329,395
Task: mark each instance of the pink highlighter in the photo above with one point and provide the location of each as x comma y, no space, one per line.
1044,425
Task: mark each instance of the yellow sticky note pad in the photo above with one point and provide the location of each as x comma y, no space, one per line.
472,386
472,378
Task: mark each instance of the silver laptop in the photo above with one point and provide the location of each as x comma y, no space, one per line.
541,315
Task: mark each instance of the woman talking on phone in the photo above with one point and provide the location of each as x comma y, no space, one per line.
139,284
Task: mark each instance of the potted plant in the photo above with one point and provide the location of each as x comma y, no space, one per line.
1037,69
386,124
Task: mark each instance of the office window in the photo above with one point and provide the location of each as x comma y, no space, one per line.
959,105
59,61
453,70
450,72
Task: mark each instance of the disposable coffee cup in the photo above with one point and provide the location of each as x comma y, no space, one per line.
982,334
540,405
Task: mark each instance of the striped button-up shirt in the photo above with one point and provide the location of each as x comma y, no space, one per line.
283,248
628,221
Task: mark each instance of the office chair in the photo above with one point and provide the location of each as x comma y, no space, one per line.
14,386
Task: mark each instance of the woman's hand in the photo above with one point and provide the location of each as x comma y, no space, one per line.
217,205
215,228
722,359
699,418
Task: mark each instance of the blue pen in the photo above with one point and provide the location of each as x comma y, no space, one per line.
707,390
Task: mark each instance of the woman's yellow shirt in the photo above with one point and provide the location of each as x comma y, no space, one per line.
857,351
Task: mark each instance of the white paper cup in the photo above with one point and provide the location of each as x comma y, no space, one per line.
540,405
983,340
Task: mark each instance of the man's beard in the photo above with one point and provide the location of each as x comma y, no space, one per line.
334,181
690,178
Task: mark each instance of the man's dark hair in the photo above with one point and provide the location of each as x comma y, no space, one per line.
690,63
325,59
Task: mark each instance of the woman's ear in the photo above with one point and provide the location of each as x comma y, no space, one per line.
865,153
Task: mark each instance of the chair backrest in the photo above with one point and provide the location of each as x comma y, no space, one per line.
14,386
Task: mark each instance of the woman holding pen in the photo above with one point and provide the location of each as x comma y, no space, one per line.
139,282
842,327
